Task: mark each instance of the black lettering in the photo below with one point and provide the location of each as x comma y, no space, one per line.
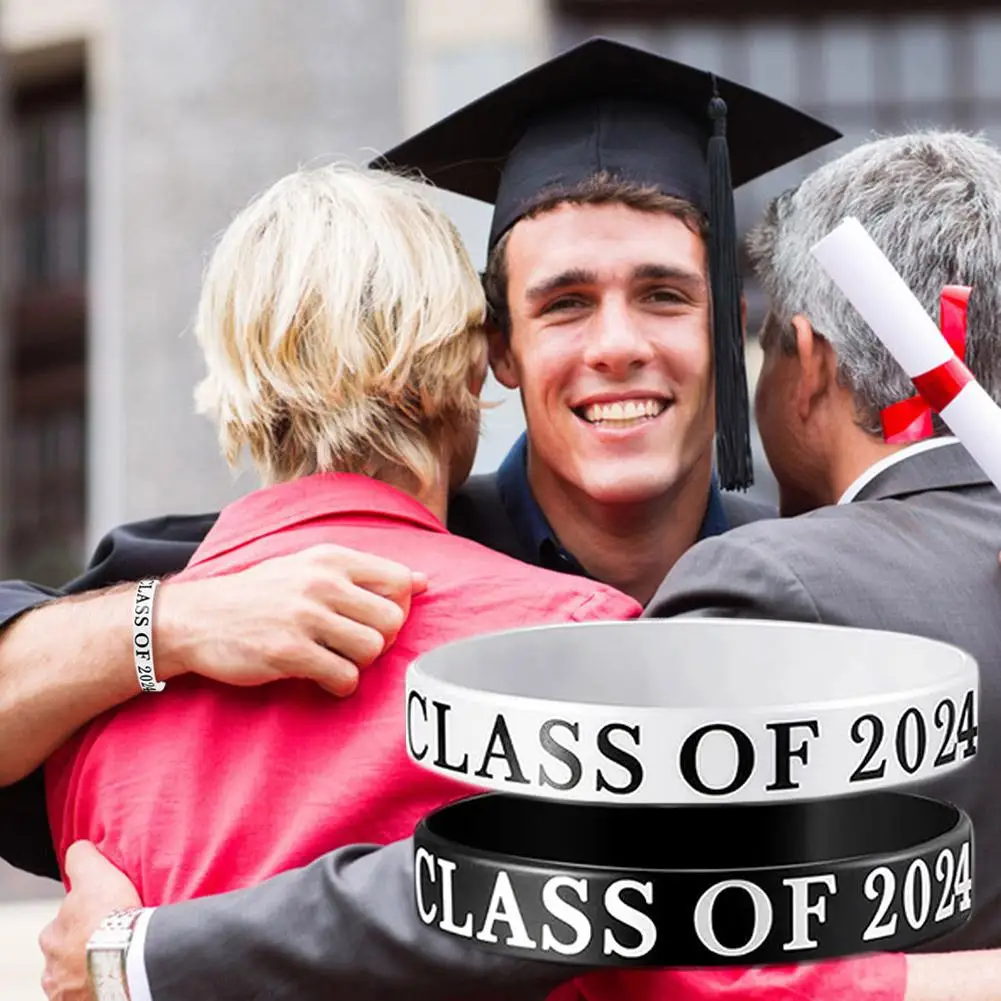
619,756
968,729
784,752
561,753
423,703
689,759
502,735
141,640
860,774
946,754
441,761
920,740
141,621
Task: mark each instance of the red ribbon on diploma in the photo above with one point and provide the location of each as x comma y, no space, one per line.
910,420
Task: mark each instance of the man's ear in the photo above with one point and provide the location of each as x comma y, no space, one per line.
816,366
501,359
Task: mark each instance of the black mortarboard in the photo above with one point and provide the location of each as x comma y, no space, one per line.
608,107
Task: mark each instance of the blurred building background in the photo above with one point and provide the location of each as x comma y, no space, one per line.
132,132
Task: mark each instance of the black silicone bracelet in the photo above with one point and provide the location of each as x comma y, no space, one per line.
642,886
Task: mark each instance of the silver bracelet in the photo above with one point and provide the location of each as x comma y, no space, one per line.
142,636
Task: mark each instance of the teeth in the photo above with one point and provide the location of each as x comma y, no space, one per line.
624,410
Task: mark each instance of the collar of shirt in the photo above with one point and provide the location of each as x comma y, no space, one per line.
532,528
891,460
272,509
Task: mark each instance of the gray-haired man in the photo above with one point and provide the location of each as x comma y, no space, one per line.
895,537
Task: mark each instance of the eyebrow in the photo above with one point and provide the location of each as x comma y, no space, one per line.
662,272
581,276
565,279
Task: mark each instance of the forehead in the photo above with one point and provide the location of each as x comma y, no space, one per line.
604,239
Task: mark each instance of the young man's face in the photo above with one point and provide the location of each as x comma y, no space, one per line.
609,345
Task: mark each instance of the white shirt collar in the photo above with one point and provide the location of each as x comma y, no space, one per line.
891,460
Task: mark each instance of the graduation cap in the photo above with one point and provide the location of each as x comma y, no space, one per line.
605,107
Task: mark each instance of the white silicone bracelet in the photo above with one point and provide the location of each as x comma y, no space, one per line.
692,711
142,636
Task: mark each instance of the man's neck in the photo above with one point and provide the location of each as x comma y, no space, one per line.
434,497
859,453
629,547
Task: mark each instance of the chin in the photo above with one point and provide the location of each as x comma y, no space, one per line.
624,490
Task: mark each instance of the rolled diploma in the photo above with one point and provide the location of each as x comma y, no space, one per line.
872,285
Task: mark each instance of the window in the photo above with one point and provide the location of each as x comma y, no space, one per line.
46,446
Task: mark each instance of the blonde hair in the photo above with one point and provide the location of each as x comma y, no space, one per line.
341,321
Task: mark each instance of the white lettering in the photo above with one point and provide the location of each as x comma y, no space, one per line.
883,924
504,907
803,910
423,855
917,893
629,916
763,917
567,913
447,922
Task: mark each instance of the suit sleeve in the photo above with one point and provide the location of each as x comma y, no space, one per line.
733,576
344,927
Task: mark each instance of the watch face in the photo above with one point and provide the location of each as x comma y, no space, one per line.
107,975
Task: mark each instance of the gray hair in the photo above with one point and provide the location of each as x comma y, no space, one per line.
932,203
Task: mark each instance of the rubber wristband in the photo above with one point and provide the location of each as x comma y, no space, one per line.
692,711
142,636
688,886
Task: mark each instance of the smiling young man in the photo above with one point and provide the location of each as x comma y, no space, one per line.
615,299
602,306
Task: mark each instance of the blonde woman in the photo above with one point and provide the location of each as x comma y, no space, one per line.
340,321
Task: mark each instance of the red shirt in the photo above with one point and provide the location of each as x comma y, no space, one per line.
205,788
877,977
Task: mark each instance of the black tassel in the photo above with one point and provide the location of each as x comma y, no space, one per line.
733,433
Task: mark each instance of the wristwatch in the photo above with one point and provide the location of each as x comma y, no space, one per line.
107,951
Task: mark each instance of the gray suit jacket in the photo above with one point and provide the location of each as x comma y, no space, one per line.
917,552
